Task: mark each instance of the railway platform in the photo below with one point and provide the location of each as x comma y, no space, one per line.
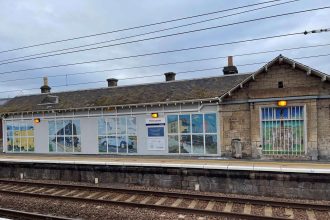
182,162
303,180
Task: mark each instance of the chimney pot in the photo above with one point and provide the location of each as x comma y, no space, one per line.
45,88
112,82
230,61
170,76
230,68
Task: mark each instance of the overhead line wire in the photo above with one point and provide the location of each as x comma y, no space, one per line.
143,34
93,82
169,35
168,51
139,26
171,63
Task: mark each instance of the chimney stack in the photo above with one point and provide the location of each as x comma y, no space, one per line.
45,88
230,69
170,76
112,82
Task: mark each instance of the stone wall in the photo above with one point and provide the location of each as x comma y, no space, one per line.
235,124
243,108
323,128
286,185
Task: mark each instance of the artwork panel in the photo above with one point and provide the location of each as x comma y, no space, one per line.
22,129
17,144
131,125
51,128
111,126
60,143
10,130
112,144
197,123
132,144
173,144
10,143
210,121
52,144
184,123
24,144
121,125
185,144
198,144
122,144
211,144
76,127
68,144
68,127
102,143
59,127
102,126
172,124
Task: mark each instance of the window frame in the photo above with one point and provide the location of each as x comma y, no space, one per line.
117,134
26,122
64,136
204,133
304,119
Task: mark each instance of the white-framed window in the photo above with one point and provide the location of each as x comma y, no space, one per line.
64,135
117,134
283,130
20,136
192,133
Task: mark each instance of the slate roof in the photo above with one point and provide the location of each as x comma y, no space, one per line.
180,90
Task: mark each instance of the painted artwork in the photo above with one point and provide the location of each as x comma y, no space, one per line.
64,136
283,130
20,136
117,135
192,133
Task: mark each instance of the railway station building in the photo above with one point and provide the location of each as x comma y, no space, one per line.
280,111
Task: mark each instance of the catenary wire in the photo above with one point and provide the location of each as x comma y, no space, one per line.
170,63
147,33
189,71
139,26
169,35
169,51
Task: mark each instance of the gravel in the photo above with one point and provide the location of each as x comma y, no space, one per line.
322,215
94,210
88,211
130,186
300,214
279,212
257,210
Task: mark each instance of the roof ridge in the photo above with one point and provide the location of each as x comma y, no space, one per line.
134,85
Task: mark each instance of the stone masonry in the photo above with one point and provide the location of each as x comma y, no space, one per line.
240,112
275,184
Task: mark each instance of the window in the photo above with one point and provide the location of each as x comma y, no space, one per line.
283,130
117,135
64,135
192,133
280,84
20,136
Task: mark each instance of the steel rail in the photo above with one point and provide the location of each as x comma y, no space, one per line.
254,201
148,206
29,215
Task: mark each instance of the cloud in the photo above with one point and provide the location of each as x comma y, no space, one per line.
36,21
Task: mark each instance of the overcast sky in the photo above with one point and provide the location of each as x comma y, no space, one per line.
31,22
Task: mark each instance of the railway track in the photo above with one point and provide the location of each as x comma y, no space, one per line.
16,214
199,204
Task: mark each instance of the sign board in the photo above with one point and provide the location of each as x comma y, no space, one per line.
155,121
156,131
156,143
156,137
